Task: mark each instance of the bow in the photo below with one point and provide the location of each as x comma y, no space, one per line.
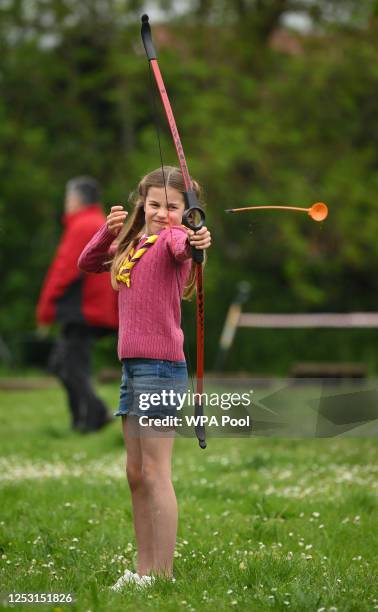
193,218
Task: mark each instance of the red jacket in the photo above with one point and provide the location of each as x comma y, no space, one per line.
69,295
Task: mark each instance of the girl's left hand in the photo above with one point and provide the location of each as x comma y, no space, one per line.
200,239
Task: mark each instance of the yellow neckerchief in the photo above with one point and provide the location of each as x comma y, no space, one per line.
132,258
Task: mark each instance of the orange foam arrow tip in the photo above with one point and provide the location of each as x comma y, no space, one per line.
318,211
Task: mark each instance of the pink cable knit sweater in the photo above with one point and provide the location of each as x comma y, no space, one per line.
150,309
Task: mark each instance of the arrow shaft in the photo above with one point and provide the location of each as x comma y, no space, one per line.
268,207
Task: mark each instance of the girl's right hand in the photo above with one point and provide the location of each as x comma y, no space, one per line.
116,219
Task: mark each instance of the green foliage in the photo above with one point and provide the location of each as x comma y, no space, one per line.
259,124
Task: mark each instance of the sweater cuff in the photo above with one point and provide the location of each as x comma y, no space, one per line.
104,237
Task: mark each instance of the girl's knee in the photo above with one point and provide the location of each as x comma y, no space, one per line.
134,476
154,477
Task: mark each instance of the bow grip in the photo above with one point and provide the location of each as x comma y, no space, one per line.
194,218
147,38
197,255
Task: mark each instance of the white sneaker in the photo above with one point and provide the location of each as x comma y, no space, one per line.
144,581
125,579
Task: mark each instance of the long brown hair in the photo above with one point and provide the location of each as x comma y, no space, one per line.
131,233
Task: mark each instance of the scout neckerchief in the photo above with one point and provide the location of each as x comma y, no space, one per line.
133,258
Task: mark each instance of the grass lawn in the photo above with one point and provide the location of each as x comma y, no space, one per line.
265,524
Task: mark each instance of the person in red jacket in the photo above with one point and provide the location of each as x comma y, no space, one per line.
84,304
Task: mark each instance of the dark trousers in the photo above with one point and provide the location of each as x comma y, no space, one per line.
70,360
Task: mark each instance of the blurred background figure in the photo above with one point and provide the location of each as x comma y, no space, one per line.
85,305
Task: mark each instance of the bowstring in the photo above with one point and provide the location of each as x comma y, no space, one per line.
156,124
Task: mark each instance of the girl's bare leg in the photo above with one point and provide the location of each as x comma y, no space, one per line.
140,496
156,461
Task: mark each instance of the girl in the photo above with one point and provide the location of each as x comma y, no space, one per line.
152,269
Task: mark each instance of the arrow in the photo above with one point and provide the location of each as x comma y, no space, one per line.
317,212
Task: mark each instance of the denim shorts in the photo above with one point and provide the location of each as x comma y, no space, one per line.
150,387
